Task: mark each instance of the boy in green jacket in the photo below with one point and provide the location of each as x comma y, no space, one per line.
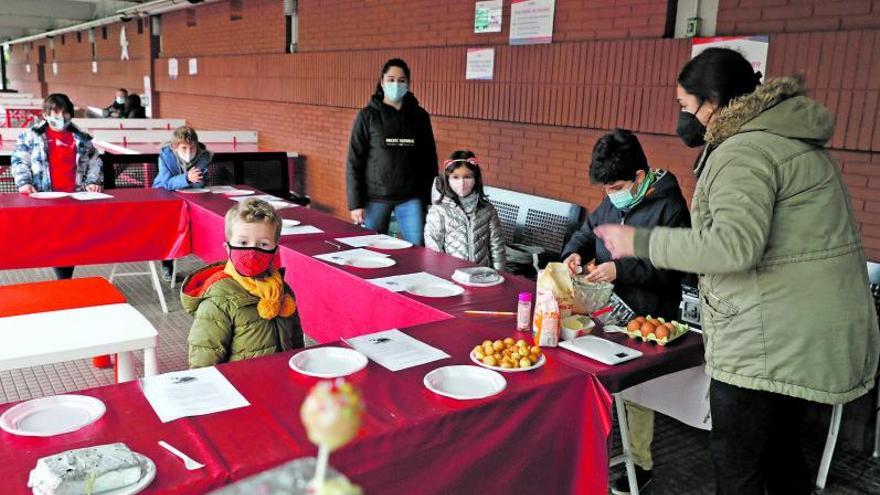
242,307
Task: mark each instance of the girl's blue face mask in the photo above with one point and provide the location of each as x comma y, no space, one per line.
395,91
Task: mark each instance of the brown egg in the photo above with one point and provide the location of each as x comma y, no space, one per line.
490,361
648,328
479,354
634,326
640,319
525,362
487,342
533,358
498,345
535,350
661,332
521,342
508,341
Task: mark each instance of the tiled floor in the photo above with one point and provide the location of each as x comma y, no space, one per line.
681,455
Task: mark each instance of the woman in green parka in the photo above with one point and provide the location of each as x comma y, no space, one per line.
787,315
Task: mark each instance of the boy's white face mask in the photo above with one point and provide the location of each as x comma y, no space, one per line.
120,100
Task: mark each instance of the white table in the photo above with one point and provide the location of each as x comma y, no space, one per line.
56,336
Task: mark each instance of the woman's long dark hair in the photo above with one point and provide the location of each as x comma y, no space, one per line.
394,62
719,75
461,158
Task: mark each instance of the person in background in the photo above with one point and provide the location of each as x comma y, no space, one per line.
55,155
133,108
463,223
183,163
787,316
115,109
635,194
392,157
242,307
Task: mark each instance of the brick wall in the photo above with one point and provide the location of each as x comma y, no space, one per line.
534,125
790,16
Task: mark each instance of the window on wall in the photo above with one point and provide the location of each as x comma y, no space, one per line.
79,36
62,40
140,26
235,9
103,32
190,17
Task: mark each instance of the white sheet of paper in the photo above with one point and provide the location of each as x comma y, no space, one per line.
395,350
399,283
340,257
88,196
264,197
363,240
197,392
300,229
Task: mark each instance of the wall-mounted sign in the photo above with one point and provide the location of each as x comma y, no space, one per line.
172,68
487,16
531,21
123,44
753,48
480,63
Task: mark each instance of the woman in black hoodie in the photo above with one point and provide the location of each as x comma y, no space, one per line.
392,157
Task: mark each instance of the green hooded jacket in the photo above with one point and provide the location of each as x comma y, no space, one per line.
227,326
783,279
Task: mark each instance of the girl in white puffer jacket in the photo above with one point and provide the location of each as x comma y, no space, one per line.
462,222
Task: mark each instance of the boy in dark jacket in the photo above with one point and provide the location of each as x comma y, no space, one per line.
242,307
639,196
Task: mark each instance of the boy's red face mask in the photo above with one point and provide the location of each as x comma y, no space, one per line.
251,261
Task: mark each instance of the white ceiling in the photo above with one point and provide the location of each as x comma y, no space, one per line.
27,17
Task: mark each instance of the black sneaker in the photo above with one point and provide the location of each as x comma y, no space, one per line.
621,486
166,273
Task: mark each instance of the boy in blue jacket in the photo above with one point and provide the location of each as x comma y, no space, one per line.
183,163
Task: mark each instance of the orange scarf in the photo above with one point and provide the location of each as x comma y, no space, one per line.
273,300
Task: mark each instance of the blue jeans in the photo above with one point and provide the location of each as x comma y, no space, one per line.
409,215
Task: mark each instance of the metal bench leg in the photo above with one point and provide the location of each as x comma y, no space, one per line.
830,442
125,367
151,363
624,439
173,273
157,285
112,273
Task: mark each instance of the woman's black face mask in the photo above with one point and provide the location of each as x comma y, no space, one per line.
690,129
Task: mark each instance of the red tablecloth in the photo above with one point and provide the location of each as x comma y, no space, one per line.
134,225
546,432
131,420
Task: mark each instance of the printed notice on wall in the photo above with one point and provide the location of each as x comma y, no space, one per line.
487,16
531,21
753,48
193,66
94,66
480,63
55,68
172,68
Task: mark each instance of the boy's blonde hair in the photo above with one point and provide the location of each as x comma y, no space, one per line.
184,134
253,211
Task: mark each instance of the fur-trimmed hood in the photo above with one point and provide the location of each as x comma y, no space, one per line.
779,106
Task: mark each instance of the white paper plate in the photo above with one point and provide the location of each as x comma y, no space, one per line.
328,362
54,415
148,474
237,192
390,243
535,366
49,195
193,190
286,222
435,290
370,262
280,204
465,382
471,284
